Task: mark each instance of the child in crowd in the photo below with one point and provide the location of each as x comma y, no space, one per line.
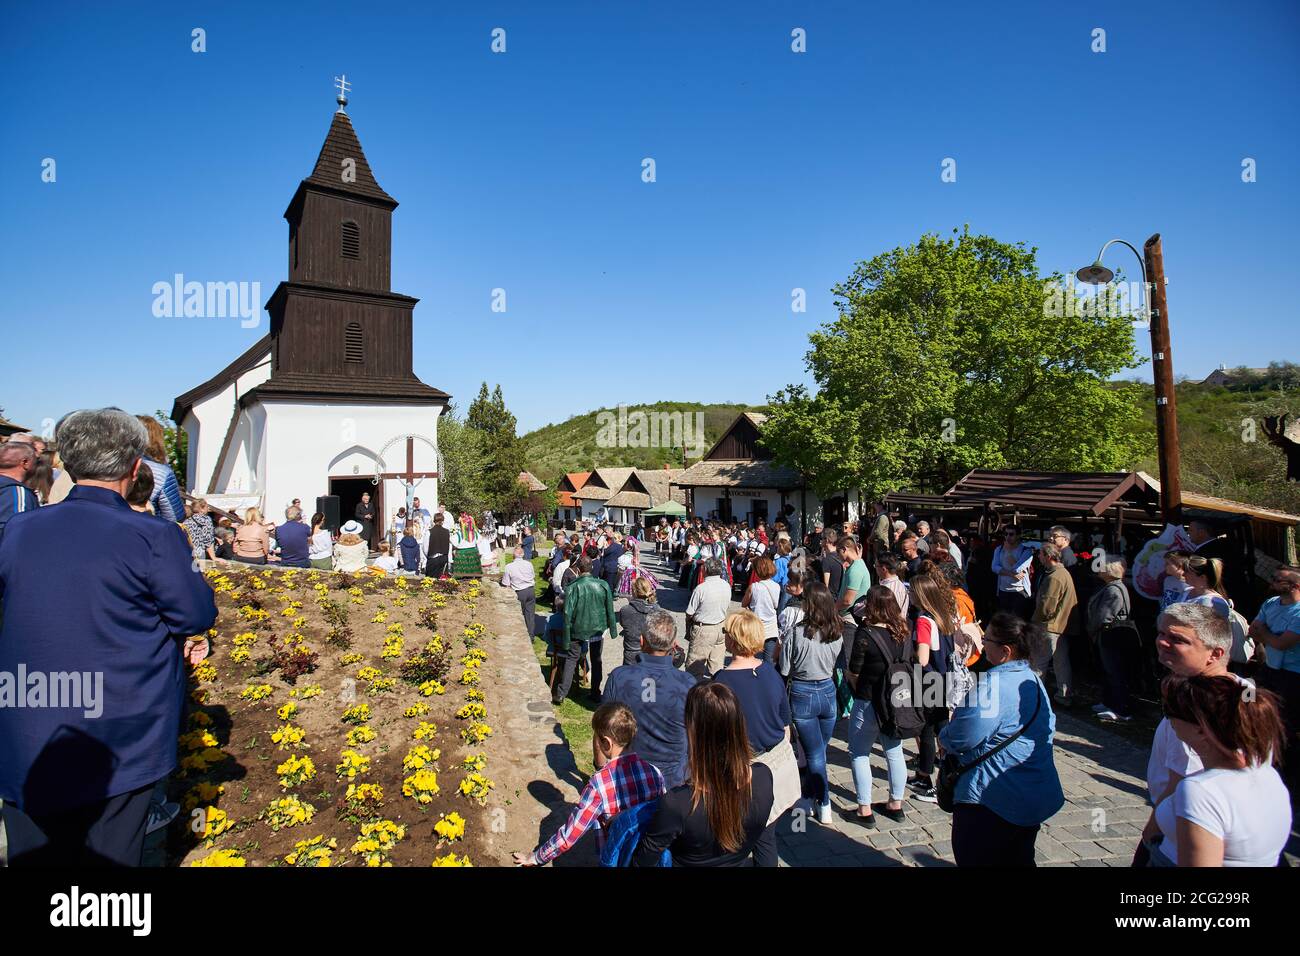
622,781
1175,585
410,551
387,561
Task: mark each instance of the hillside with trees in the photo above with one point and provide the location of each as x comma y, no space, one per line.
578,445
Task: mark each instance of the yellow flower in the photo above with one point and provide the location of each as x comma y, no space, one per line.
287,711
451,860
422,785
357,715
202,793
288,812
221,858
352,764
215,822
288,737
255,692
450,827
311,853
419,709
476,786
295,770
472,709
425,730
419,756
475,732
431,687
360,735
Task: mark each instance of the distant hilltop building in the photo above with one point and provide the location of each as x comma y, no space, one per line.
1223,375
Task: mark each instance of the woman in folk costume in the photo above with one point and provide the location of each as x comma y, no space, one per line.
487,547
630,568
464,546
714,547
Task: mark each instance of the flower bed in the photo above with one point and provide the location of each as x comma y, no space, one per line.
337,722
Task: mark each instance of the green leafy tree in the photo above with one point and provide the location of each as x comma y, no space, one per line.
503,455
460,486
947,356
177,441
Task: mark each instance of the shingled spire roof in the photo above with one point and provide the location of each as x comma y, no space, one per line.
342,144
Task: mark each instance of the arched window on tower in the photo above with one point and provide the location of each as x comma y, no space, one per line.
353,344
351,240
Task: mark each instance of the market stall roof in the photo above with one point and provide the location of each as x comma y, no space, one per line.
1059,491
1224,505
669,509
918,501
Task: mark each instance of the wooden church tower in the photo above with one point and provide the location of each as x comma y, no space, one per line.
337,328
327,403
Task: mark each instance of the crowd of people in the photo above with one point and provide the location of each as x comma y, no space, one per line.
829,626
882,631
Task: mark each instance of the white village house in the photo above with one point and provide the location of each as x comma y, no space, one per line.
328,402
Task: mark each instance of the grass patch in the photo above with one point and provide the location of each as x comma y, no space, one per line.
574,714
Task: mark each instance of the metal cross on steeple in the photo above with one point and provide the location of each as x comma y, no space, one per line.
343,86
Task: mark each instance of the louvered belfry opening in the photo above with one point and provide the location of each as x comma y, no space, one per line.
353,344
351,240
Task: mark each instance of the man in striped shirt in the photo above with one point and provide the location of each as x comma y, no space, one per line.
17,461
622,781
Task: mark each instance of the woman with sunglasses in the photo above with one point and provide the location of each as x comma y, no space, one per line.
1003,799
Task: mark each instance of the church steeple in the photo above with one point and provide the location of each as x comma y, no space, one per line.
342,164
337,328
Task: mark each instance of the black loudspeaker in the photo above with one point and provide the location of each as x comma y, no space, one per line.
328,505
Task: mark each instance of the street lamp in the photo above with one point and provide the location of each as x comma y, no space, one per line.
1153,282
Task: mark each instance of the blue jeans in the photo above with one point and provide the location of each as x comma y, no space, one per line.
863,732
814,712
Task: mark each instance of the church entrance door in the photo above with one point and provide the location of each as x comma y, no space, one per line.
349,491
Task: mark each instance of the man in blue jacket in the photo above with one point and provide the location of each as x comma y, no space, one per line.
92,679
17,460
655,691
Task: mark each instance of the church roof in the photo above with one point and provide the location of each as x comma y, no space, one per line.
341,144
253,357
309,386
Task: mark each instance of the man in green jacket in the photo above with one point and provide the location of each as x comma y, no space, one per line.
588,613
1056,599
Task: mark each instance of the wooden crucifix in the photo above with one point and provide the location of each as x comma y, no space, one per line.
408,477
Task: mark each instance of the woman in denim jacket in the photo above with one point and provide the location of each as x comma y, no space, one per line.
1001,803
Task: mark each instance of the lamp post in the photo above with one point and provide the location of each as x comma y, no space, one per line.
1152,262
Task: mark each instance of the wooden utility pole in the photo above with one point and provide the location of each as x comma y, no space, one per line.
1162,362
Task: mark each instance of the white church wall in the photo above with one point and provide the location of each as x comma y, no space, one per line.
208,420
243,470
309,443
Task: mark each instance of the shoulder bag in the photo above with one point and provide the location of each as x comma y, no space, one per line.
950,770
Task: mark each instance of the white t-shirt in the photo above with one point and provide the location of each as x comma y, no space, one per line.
1249,809
1169,755
386,563
320,545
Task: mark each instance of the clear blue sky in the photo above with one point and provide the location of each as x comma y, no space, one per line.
523,171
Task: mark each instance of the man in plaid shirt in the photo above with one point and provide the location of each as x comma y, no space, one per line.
622,780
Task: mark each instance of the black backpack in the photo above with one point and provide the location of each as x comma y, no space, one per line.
897,711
